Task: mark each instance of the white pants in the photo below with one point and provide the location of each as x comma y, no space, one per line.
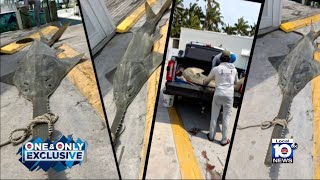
217,103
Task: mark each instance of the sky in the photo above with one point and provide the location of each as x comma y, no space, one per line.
231,10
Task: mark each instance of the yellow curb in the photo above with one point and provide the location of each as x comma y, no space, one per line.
153,83
14,47
82,76
188,163
127,23
316,121
293,25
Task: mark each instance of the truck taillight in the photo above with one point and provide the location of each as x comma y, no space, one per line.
170,70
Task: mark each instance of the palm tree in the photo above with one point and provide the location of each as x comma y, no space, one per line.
242,27
252,29
230,30
193,17
213,16
178,16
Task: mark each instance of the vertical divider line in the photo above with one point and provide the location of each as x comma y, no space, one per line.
244,87
98,85
158,90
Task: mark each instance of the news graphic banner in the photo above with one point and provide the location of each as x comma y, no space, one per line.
58,155
282,150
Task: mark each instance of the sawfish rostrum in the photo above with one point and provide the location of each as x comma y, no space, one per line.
295,70
136,65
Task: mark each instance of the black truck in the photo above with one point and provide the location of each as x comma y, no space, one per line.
195,55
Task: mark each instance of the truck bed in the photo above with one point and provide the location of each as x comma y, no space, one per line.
196,91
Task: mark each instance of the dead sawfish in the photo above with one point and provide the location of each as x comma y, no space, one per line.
295,70
194,75
39,74
136,65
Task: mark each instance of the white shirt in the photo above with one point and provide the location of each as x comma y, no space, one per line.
225,76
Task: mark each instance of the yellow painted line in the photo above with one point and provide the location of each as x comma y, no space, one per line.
293,25
316,121
188,163
153,83
82,76
14,47
127,23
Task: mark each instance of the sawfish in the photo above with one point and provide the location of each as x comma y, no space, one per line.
38,75
136,65
195,76
295,70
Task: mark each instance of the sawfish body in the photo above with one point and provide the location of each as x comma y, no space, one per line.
194,75
136,65
38,75
295,70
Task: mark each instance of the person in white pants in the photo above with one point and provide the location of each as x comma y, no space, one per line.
225,76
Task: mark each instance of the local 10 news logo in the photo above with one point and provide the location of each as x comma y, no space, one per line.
282,150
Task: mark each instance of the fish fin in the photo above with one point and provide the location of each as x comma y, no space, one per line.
43,38
8,78
59,51
291,46
313,34
156,36
58,34
276,61
110,75
163,22
152,61
149,12
71,62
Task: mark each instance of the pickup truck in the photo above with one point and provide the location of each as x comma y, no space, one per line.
195,55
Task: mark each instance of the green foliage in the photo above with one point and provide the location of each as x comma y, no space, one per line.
242,27
193,17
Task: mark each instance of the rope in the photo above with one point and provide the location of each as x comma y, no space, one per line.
267,124
48,118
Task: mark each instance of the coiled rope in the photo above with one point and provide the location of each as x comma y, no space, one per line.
48,118
267,124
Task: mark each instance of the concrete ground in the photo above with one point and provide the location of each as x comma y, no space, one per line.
292,10
163,153
135,118
76,117
117,8
261,103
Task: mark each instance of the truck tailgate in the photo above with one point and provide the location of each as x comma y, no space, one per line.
195,91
